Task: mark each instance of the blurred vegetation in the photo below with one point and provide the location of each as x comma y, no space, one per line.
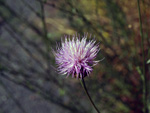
29,29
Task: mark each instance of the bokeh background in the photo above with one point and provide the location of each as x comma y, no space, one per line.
29,29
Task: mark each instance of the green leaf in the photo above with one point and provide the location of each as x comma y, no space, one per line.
148,61
140,72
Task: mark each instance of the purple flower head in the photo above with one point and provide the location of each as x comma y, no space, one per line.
76,56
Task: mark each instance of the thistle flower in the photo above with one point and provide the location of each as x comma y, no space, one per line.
76,56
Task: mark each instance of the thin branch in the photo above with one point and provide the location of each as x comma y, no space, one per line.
144,79
86,91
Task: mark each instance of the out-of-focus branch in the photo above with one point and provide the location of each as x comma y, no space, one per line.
46,95
46,39
24,48
85,20
31,8
23,36
13,13
12,97
29,76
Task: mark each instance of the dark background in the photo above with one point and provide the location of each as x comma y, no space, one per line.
30,28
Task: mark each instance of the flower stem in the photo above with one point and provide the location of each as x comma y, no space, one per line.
86,91
143,75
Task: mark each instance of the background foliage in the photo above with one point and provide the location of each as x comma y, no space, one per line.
30,28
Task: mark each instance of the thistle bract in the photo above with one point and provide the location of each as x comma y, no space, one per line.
76,56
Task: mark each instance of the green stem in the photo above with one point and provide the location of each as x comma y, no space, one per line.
143,75
86,91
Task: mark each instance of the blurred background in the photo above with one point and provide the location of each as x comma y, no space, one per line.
30,28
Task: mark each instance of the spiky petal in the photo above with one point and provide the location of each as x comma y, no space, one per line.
76,56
